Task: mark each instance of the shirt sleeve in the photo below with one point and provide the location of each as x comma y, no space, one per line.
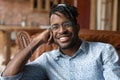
111,63
15,77
32,71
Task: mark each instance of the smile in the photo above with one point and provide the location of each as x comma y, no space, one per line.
64,39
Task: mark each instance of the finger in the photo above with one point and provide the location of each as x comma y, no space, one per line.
50,40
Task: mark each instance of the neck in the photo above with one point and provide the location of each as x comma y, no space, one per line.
71,51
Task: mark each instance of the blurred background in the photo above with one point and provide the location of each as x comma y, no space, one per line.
16,15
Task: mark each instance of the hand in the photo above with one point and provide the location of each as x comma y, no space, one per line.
44,37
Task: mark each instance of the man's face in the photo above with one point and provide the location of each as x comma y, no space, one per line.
63,31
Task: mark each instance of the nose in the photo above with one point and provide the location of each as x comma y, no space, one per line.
62,29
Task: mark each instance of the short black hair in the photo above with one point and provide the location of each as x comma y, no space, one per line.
69,11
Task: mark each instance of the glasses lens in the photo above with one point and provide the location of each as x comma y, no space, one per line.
67,24
55,27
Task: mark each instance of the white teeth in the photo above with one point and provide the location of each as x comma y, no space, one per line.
62,39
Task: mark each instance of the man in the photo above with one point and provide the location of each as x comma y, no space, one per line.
75,59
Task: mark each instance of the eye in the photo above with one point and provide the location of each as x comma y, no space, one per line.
55,27
67,24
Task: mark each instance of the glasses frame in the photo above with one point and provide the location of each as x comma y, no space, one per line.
65,25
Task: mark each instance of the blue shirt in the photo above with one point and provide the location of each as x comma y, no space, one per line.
92,61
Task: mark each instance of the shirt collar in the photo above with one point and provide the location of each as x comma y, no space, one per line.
83,48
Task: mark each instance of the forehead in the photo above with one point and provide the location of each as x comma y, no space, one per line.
57,17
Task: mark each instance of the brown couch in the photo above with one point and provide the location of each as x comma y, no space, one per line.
112,37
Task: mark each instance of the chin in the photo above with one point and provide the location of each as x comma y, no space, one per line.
65,46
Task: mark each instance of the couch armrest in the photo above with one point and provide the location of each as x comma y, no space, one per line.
23,39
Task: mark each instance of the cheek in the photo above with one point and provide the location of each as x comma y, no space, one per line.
72,31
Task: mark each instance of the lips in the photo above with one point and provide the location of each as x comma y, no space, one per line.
64,39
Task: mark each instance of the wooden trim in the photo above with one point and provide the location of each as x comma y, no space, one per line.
47,5
55,1
93,15
115,13
75,3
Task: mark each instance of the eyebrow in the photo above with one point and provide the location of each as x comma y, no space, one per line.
62,22
57,14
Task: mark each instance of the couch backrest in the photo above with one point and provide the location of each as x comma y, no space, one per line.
111,37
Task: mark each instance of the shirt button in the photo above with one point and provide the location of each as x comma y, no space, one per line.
56,58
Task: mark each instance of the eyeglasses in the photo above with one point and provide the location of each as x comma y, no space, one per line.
65,25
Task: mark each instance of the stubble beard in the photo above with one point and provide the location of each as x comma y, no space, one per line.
68,45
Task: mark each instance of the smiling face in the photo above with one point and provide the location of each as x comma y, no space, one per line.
64,33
